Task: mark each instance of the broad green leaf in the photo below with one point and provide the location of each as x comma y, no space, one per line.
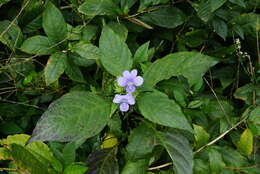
245,144
191,65
215,4
215,161
245,93
201,167
239,2
140,143
42,152
146,3
220,28
179,149
74,116
26,161
10,34
169,17
136,167
233,158
80,61
142,54
56,65
39,45
88,32
254,121
74,72
75,169
250,23
201,136
54,24
119,29
116,56
103,162
98,7
87,50
159,109
203,10
34,25
38,150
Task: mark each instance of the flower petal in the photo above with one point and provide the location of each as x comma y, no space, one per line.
134,73
124,107
117,98
127,74
130,88
130,99
122,81
138,81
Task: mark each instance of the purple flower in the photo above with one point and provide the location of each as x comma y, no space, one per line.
124,101
130,80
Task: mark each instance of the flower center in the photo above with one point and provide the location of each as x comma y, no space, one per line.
130,83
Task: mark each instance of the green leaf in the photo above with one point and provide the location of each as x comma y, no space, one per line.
116,56
191,65
103,162
74,72
42,152
220,28
201,136
39,45
169,17
10,34
55,67
34,25
239,2
215,4
98,7
5,154
157,108
249,23
146,3
215,161
203,10
81,61
233,158
142,54
86,50
245,144
140,143
137,167
25,160
74,116
75,169
245,93
54,24
119,29
254,121
179,149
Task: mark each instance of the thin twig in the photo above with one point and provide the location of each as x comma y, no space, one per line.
7,169
7,28
203,147
160,166
220,136
221,106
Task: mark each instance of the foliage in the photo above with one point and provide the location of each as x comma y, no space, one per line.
69,67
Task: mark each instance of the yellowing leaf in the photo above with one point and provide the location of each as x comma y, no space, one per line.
201,136
4,154
109,141
15,139
245,144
